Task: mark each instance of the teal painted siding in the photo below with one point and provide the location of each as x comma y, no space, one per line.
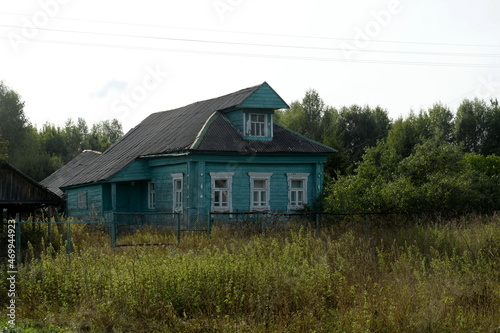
162,177
241,196
132,195
264,97
137,170
236,118
93,207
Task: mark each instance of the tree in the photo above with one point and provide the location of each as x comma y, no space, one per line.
293,118
441,123
313,107
471,124
361,127
3,150
304,117
491,143
104,134
14,126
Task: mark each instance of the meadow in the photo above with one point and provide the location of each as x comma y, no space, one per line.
397,276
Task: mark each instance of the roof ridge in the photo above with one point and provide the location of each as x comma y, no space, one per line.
211,99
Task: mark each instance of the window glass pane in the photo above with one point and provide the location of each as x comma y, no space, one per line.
221,183
263,197
259,184
296,183
216,198
257,124
224,198
301,196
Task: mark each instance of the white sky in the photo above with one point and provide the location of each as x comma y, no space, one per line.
126,59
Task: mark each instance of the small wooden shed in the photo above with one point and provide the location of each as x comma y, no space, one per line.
21,194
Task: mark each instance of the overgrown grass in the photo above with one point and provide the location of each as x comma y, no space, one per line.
426,277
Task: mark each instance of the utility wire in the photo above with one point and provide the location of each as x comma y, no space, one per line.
266,34
255,55
454,54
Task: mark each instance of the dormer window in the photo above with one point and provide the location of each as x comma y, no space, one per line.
258,126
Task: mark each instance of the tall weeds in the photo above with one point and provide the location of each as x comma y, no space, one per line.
412,278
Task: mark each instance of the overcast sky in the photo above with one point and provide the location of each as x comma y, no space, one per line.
126,59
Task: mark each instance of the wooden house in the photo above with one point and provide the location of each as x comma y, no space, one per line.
219,155
21,194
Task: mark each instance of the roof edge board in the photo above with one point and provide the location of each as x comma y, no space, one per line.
203,130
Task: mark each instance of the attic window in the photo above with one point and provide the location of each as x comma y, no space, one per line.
258,124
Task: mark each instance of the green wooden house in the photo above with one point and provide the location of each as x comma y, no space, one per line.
219,155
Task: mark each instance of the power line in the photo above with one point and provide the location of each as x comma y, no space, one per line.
287,57
454,54
267,34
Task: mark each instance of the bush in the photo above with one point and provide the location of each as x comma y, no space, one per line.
437,177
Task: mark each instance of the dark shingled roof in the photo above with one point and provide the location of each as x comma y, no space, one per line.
70,171
221,136
201,126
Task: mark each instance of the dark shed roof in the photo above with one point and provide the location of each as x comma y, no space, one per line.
17,189
201,126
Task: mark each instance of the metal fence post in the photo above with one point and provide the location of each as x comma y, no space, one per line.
18,238
367,223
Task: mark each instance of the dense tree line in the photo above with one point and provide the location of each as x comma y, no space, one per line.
433,161
39,152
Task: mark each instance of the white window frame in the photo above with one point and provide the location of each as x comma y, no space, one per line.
151,195
266,128
82,200
222,176
294,177
177,194
265,176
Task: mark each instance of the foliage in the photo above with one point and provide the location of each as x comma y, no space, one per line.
67,142
38,153
350,130
304,117
3,149
478,126
436,177
401,277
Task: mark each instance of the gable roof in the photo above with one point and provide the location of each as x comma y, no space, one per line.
69,172
201,126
